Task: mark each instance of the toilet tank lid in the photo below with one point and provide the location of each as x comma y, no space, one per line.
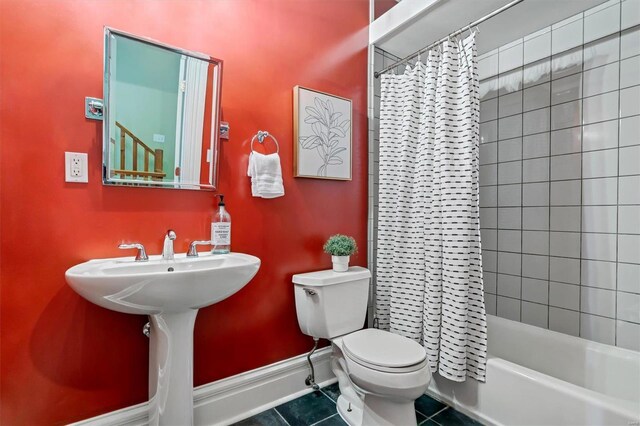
329,277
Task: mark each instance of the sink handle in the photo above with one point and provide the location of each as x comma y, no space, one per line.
142,253
193,250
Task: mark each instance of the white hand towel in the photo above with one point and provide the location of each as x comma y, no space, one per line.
266,175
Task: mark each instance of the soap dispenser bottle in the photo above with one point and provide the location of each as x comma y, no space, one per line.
221,229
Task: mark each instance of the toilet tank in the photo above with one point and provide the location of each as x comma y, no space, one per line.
330,304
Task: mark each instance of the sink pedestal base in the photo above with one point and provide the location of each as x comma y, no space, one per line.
171,300
171,368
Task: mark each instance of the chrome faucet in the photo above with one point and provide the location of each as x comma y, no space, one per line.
141,256
193,247
167,250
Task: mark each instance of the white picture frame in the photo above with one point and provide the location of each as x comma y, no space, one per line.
322,134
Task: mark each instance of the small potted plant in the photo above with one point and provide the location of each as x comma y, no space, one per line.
340,247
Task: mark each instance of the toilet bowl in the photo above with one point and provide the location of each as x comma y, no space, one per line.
388,373
380,374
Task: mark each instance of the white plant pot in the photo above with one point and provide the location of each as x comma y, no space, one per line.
340,263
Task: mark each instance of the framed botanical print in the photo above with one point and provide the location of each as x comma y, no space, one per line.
322,135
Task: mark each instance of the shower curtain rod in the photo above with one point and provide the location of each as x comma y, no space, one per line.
453,34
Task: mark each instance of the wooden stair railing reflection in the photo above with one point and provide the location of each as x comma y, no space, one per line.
157,154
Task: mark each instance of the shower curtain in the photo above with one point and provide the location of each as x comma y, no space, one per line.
191,108
429,267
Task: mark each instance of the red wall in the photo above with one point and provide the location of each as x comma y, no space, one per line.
64,359
382,6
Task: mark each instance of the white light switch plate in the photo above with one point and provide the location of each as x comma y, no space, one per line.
76,167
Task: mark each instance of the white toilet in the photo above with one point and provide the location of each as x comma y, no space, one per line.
380,374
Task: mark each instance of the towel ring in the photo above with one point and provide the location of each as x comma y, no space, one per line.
261,136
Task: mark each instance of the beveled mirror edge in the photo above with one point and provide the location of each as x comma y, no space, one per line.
215,126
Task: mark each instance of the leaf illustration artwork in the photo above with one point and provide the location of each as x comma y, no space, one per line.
328,130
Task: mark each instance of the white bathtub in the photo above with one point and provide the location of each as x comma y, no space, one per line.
540,377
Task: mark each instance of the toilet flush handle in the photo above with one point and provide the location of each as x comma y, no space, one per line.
310,292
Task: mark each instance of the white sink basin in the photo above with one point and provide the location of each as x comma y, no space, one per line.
170,292
158,285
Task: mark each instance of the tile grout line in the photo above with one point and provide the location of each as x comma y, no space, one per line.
542,157
551,105
570,309
548,280
426,422
581,213
617,118
497,173
522,184
446,407
418,411
326,418
325,394
281,416
615,311
560,231
565,180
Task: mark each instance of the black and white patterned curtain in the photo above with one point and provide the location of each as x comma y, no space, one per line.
429,267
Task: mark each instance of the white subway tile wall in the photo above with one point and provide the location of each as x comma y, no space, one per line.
630,13
561,176
630,43
601,52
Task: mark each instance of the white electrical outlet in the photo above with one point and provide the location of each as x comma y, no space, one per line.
76,167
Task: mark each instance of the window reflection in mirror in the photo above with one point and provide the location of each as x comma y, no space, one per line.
161,115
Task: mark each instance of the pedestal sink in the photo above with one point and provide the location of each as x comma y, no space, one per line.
170,292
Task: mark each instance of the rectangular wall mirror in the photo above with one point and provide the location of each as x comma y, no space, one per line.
162,114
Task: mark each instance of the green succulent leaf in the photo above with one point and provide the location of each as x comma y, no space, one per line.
340,245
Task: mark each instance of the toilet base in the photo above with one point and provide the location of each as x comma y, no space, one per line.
350,413
384,411
377,411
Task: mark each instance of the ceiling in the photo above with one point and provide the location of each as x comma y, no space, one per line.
414,24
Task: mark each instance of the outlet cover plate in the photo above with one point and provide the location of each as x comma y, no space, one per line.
76,167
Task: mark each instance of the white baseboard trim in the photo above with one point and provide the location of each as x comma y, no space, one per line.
235,398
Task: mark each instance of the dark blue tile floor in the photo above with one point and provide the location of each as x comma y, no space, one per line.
319,409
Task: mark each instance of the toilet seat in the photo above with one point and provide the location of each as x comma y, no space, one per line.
384,351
